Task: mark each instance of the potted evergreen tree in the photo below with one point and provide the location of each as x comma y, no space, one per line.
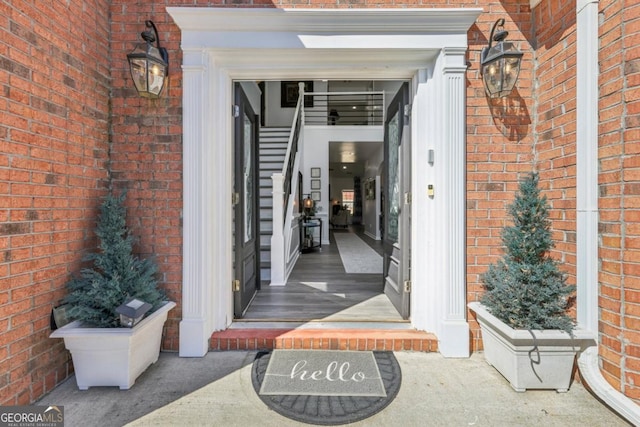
103,352
526,332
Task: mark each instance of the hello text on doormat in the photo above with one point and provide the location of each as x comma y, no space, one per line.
322,373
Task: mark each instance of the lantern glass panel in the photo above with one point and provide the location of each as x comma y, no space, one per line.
139,74
500,69
148,70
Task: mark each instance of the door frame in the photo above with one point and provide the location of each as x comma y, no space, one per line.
428,46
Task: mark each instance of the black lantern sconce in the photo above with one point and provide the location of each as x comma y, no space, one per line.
149,64
500,64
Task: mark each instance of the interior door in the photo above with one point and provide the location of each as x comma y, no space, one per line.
247,260
396,212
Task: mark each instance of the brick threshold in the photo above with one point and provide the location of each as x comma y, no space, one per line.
323,339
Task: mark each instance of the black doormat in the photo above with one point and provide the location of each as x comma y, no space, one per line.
319,407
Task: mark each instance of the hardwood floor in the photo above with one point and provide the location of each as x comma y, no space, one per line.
320,290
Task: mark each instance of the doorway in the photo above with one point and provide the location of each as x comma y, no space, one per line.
427,46
350,274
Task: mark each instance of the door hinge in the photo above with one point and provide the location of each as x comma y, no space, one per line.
407,285
236,285
407,198
235,198
236,110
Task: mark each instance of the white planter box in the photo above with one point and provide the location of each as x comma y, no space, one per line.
537,359
114,356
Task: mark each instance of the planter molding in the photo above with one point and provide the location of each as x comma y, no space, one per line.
545,362
114,356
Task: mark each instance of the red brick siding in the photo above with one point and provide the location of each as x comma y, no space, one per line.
619,183
555,122
56,131
499,145
54,103
146,156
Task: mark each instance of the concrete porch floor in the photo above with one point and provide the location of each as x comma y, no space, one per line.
216,390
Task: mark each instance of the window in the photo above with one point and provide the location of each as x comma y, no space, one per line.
347,200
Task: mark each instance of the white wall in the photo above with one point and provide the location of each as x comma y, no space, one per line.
315,154
275,116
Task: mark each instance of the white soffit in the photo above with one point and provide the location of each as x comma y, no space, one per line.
323,43
312,21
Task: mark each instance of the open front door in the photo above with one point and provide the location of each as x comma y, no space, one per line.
396,210
247,263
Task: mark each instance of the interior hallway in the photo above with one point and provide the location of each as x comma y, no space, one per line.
320,290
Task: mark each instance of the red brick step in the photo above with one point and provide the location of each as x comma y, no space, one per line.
325,339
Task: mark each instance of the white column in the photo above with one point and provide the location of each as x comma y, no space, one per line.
193,327
454,329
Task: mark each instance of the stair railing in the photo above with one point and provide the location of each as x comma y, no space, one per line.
344,108
283,186
292,147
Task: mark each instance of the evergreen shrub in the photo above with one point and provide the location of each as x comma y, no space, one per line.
526,289
117,274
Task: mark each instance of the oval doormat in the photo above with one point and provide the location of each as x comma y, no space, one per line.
320,407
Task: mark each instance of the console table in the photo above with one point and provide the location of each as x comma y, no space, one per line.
309,239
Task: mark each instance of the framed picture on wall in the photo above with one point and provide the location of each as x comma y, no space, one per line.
315,184
315,196
370,189
289,92
315,172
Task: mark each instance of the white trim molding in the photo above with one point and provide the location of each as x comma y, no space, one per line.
193,327
454,319
222,45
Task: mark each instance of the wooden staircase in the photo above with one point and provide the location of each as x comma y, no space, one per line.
272,150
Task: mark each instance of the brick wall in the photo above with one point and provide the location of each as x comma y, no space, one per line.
146,155
555,122
54,109
554,27
619,202
500,139
57,139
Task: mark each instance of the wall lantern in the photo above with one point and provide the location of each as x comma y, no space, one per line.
500,63
149,64
132,312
